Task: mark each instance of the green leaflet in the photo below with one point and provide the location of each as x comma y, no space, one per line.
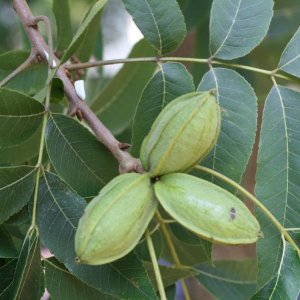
238,26
27,278
161,22
290,59
277,178
91,15
20,117
29,81
227,280
238,104
285,282
16,188
61,284
61,10
77,156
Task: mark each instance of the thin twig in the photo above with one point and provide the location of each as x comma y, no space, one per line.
173,252
176,59
155,265
76,105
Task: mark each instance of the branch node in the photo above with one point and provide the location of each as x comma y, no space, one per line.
124,146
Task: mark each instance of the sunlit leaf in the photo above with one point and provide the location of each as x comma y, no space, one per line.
58,212
238,26
161,22
78,157
170,82
277,179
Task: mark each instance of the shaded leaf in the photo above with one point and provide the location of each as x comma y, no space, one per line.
285,283
171,292
61,12
238,26
116,104
20,116
77,156
23,151
7,271
191,250
238,128
29,81
16,188
290,59
161,22
63,209
7,247
61,284
170,82
88,43
27,278
228,280
91,15
169,274
277,178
